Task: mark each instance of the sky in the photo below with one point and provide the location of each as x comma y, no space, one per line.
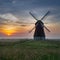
15,20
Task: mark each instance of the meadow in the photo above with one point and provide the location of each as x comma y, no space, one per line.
30,50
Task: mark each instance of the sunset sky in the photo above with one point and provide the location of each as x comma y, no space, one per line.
15,20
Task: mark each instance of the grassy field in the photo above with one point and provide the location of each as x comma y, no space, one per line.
30,50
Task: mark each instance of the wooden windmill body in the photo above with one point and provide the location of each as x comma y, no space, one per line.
39,33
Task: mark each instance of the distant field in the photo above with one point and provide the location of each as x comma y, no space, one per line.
30,50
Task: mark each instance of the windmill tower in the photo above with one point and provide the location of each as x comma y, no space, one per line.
39,33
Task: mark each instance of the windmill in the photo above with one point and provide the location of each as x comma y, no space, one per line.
39,33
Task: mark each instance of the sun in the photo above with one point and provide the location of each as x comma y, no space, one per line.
9,30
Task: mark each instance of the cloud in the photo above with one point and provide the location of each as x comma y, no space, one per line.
8,16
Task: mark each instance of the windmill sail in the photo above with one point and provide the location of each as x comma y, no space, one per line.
39,20
33,16
47,29
45,15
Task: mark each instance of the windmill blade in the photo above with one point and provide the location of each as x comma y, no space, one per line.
33,16
31,29
45,15
47,29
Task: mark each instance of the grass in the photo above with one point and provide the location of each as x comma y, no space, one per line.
30,50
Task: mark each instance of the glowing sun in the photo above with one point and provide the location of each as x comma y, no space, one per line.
9,30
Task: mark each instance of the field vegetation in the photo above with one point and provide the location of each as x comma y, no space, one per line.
30,50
